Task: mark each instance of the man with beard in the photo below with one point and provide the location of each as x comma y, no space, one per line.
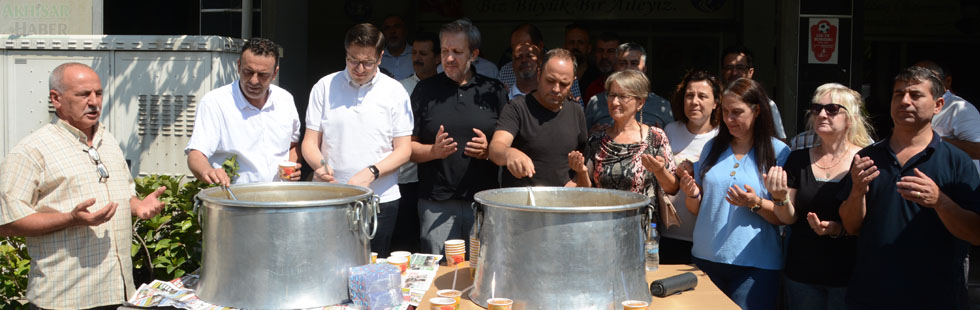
397,57
656,110
577,41
456,105
605,59
536,132
249,118
527,60
522,34
67,188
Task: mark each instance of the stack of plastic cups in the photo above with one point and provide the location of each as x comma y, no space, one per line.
455,252
474,255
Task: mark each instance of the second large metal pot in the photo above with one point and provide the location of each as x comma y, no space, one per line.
576,248
283,245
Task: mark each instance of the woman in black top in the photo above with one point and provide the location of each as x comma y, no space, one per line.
819,257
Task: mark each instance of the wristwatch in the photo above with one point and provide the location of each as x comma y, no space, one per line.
374,170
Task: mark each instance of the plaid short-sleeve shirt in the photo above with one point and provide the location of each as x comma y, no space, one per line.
51,171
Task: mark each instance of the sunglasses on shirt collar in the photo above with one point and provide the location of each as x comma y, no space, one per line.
99,166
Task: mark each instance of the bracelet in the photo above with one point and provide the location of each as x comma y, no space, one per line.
698,196
781,203
841,233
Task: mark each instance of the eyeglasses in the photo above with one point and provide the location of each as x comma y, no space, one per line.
368,64
831,108
739,68
99,166
622,97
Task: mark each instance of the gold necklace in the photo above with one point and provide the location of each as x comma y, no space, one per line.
826,169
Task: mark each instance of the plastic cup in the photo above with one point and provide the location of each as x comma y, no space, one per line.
286,169
374,257
455,252
442,303
401,253
400,261
499,304
454,294
635,305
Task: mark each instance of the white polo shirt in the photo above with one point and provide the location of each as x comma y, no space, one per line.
226,124
358,124
958,119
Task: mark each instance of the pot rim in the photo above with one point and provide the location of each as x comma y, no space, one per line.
205,195
642,200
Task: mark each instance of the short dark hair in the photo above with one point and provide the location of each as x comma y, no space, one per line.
916,74
739,49
608,36
465,26
677,101
559,53
536,37
429,37
365,34
630,46
261,47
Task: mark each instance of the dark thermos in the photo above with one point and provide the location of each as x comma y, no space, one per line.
672,285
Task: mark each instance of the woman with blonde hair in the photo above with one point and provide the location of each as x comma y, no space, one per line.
820,256
630,155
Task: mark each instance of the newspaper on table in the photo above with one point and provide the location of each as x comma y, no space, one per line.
179,293
418,278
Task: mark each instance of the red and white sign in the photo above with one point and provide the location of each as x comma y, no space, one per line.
823,41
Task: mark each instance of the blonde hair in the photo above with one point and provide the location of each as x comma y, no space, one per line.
858,129
633,82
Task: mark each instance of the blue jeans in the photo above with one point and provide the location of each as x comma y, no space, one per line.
804,296
386,226
443,220
749,287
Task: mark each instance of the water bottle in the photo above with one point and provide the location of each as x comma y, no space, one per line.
652,248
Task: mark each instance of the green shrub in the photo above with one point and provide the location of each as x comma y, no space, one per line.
168,245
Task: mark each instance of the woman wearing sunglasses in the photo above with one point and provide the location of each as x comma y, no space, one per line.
736,242
820,256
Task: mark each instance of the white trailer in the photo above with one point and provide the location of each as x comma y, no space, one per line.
152,88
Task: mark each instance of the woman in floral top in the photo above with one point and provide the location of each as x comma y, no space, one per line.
630,155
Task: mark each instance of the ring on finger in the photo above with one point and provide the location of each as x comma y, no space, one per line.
918,195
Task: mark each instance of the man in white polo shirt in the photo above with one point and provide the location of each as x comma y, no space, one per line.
250,118
359,126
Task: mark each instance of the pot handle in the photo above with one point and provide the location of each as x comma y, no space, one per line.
373,209
354,215
647,218
197,205
477,218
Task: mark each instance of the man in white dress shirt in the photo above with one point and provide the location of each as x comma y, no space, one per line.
250,118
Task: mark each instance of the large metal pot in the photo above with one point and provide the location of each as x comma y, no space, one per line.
576,248
283,245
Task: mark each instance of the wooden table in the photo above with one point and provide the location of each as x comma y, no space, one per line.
705,296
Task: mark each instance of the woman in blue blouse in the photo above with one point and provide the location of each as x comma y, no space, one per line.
736,241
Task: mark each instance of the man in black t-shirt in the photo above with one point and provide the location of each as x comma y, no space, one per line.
914,204
454,111
536,132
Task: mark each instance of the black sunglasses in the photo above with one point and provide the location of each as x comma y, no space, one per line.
831,108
